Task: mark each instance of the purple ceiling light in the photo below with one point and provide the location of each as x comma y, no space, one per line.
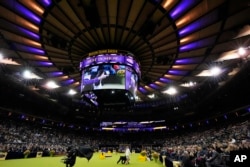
197,44
199,24
24,48
55,74
154,86
164,80
29,33
191,60
182,7
45,3
44,63
67,82
177,72
24,32
142,90
23,11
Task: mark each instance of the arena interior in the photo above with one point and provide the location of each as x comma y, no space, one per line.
165,77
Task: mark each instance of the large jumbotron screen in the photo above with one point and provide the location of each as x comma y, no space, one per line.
114,76
109,69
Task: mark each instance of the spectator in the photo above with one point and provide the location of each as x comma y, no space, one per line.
214,158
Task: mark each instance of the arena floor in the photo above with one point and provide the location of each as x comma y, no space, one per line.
96,161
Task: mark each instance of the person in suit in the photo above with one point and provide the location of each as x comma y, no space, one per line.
71,157
214,158
127,154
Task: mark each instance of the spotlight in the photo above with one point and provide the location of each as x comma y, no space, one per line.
241,51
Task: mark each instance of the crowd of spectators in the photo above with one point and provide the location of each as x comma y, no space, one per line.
18,136
209,147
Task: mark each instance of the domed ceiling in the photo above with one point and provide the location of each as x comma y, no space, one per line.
174,41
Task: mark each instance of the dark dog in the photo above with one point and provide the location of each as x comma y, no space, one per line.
123,159
82,151
71,157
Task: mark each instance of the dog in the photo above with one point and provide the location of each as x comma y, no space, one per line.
84,151
123,159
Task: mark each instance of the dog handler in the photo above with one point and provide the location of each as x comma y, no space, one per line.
127,154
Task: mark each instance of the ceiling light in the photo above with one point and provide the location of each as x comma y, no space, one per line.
151,96
215,71
29,75
72,92
51,85
120,122
160,127
159,121
189,84
170,91
144,122
107,128
208,73
7,61
241,51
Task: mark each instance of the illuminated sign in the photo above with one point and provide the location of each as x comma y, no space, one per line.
105,51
